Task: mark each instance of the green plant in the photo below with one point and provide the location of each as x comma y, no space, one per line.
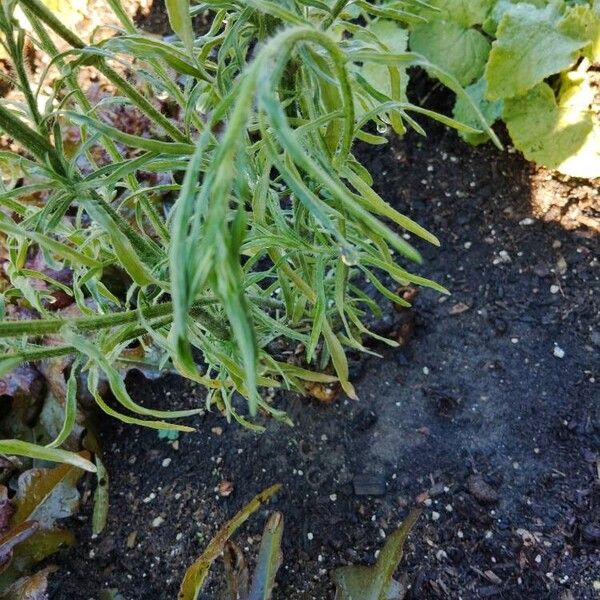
529,63
353,582
258,222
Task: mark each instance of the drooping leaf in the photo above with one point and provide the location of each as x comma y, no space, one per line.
458,50
563,135
21,448
359,582
196,574
463,112
19,533
269,559
529,47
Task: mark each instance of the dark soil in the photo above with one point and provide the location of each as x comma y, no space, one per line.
480,394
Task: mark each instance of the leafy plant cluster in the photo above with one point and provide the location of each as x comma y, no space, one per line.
206,207
532,64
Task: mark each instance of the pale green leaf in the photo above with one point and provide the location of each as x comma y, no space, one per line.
465,13
456,50
582,22
181,21
463,111
563,135
529,47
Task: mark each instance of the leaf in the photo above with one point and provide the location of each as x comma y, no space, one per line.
462,12
464,113
45,495
529,47
563,135
236,572
21,448
269,559
459,51
196,574
375,582
181,22
32,587
582,22
12,538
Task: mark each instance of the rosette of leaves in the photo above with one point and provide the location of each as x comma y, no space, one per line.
259,224
529,63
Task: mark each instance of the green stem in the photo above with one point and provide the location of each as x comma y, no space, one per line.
47,16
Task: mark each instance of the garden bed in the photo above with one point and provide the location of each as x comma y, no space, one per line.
497,386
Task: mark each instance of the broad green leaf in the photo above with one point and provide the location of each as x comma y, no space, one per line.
529,47
490,25
563,135
583,22
196,574
464,113
181,22
459,51
269,559
465,13
359,582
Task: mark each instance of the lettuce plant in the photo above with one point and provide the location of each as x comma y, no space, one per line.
529,63
231,214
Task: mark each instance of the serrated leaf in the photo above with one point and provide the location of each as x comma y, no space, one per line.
459,51
490,25
529,47
464,113
563,135
360,582
582,22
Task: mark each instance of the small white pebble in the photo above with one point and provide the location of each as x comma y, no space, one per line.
468,245
435,516
559,352
554,289
449,507
527,221
441,555
157,522
178,536
166,462
426,370
333,497
538,558
310,536
514,340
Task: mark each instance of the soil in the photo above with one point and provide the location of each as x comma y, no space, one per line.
499,387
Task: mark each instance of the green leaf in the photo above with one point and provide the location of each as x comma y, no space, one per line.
529,47
563,135
459,51
181,22
582,22
21,448
196,574
462,12
463,111
358,582
269,559
490,25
